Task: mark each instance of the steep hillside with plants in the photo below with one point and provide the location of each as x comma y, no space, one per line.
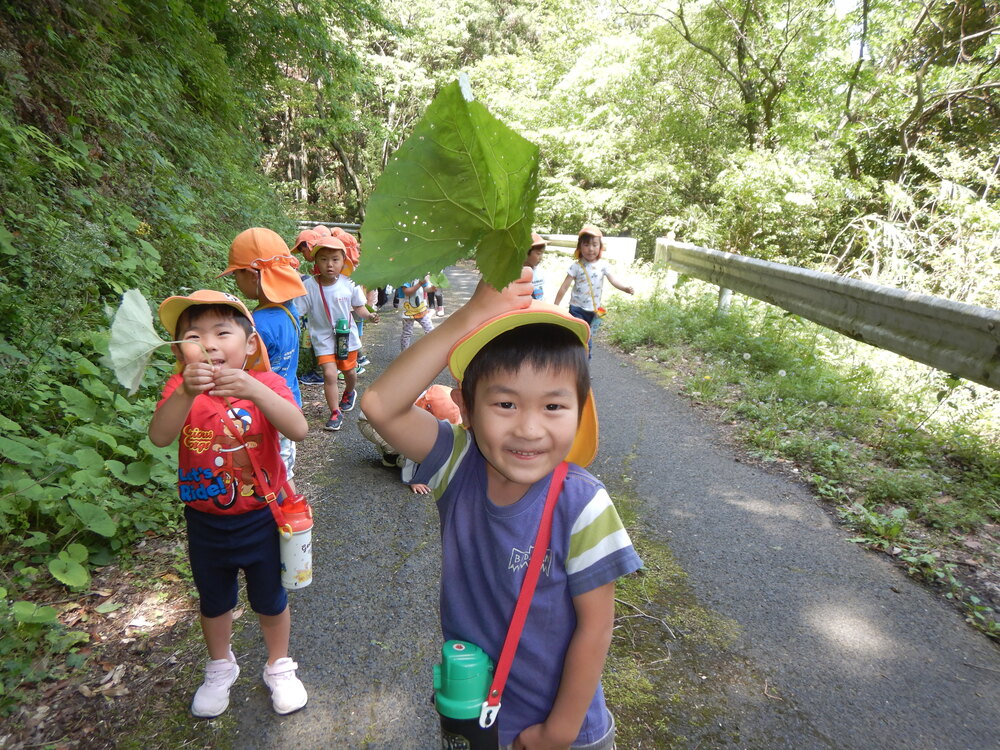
129,157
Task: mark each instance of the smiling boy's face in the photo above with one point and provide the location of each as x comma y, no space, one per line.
524,422
223,337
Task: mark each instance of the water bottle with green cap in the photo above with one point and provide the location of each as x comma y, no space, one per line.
461,682
343,334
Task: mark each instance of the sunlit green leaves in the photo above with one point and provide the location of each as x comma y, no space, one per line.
68,566
462,184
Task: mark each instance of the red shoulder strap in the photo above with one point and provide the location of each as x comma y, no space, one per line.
491,706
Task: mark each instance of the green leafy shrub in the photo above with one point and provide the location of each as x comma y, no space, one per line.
125,162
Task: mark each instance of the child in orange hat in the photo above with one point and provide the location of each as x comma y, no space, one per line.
438,401
331,296
353,248
227,408
524,395
265,271
587,274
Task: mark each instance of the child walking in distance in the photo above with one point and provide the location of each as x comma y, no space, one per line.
353,250
525,398
228,408
264,270
587,276
331,296
415,308
310,371
535,253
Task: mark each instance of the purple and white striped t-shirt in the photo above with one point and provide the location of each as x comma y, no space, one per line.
485,551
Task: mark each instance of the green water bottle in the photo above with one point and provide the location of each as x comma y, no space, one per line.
461,682
342,333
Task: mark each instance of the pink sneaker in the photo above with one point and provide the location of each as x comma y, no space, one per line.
212,698
288,694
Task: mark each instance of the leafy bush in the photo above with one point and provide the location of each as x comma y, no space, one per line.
124,162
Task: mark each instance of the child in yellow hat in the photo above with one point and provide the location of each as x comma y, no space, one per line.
227,408
526,406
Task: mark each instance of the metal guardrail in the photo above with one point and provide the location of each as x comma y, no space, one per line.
352,228
958,338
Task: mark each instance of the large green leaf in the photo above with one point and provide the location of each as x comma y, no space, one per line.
17,451
78,403
136,473
96,519
133,340
69,572
463,183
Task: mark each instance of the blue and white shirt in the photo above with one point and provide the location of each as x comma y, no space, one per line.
485,552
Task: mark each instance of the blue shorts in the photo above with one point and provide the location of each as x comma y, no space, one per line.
590,318
220,546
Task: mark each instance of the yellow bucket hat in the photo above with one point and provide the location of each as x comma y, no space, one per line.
172,308
584,447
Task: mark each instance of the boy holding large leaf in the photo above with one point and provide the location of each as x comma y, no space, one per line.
526,407
227,408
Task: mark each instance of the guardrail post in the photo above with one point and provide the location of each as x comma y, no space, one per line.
661,257
724,296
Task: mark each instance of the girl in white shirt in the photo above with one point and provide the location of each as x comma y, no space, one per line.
587,276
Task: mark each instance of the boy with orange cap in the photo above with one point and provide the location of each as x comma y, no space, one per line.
227,407
265,271
524,394
332,296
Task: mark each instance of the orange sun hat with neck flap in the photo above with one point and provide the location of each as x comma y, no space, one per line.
584,447
264,251
172,308
304,242
334,243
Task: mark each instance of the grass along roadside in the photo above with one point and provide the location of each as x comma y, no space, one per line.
905,455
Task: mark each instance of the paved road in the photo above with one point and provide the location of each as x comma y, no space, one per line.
861,656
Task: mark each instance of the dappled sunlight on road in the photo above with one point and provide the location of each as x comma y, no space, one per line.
767,507
358,718
849,632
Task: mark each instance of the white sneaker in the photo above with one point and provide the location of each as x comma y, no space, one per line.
212,698
287,691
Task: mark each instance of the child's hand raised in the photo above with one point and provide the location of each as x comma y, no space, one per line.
488,302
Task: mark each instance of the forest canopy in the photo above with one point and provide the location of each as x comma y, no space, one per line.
853,135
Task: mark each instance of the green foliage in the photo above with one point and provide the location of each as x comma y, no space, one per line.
872,432
124,163
462,183
34,646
